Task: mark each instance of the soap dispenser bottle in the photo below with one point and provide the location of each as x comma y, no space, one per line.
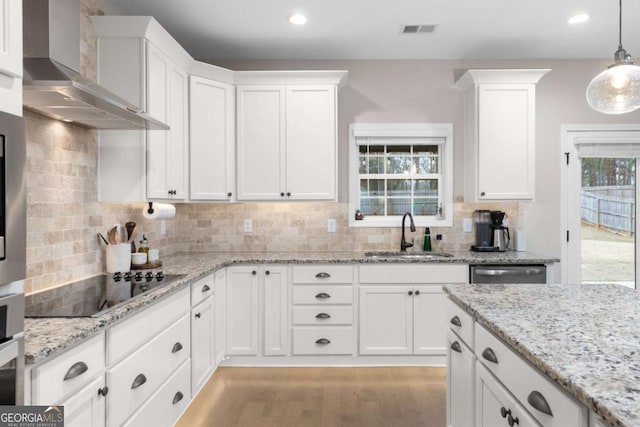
426,242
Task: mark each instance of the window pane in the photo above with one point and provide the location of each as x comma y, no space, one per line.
398,206
425,159
370,206
425,206
371,187
376,165
399,164
399,187
608,209
426,187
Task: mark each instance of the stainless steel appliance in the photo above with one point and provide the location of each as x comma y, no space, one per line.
12,349
95,296
13,201
482,223
500,237
508,273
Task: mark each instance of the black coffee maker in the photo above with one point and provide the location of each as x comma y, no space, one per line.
483,222
499,232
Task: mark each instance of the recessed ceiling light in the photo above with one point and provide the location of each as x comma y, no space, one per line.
579,18
298,19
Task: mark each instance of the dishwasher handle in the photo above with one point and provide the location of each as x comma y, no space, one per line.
533,271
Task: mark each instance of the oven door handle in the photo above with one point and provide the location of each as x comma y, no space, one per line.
76,370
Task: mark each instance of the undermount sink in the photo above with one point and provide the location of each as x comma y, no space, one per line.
408,255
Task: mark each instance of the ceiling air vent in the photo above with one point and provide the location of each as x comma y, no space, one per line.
418,29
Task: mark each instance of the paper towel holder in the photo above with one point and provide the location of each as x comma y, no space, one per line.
150,210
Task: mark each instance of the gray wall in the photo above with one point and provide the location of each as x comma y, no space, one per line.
424,91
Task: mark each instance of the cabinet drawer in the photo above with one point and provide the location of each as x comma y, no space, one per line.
323,274
134,379
460,322
167,404
325,315
79,365
130,334
323,294
527,384
201,290
323,340
414,273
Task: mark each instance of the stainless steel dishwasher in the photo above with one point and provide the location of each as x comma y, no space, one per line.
507,273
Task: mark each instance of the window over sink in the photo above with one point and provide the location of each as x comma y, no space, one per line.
398,168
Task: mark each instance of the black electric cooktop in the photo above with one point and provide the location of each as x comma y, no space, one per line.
95,296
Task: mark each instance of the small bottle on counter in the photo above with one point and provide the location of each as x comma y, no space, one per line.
426,243
144,245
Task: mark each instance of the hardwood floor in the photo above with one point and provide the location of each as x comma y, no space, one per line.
395,397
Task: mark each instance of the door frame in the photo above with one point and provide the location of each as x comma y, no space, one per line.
572,134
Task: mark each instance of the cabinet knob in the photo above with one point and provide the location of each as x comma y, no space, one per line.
267,272
138,381
490,355
76,370
323,341
482,193
177,398
229,194
417,292
254,272
512,420
323,295
537,400
504,412
323,316
455,321
410,293
176,347
103,391
288,194
455,346
281,194
198,315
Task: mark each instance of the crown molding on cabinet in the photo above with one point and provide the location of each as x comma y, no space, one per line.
503,76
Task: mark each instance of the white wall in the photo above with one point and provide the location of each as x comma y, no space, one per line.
423,91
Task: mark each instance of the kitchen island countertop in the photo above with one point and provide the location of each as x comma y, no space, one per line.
45,337
585,338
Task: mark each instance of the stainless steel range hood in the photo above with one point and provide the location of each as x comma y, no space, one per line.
52,85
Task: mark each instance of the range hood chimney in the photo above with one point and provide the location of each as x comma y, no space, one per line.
52,85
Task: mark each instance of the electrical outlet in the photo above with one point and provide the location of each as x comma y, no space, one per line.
331,225
467,225
163,227
248,226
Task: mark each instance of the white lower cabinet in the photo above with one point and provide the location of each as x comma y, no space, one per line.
256,311
220,284
87,407
460,382
203,357
495,407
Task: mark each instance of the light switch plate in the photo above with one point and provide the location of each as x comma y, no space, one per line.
467,225
248,226
331,225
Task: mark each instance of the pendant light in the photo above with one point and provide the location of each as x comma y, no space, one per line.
616,90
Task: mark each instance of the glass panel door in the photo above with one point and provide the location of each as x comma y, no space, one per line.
608,220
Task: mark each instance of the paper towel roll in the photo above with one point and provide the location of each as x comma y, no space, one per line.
160,211
521,241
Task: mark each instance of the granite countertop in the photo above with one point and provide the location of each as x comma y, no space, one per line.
585,338
45,337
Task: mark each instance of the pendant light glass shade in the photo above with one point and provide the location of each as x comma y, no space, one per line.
616,90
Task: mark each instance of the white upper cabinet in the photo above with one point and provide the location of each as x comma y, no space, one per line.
287,135
11,56
211,140
499,133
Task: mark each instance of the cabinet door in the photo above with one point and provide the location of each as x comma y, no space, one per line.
460,382
261,130
506,141
429,320
211,139
157,90
311,142
242,311
87,407
220,314
166,150
276,322
11,37
492,400
386,319
202,343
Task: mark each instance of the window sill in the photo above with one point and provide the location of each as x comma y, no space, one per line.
382,222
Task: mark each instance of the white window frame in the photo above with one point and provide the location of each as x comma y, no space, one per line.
399,131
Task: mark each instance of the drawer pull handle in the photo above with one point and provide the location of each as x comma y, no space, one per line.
489,355
323,316
177,398
103,391
323,341
323,295
537,400
176,347
323,275
140,379
455,321
455,346
75,370
206,288
512,420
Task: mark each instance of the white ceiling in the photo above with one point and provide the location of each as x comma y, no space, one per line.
370,29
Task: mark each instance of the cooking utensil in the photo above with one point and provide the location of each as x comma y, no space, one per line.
112,235
103,238
130,226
